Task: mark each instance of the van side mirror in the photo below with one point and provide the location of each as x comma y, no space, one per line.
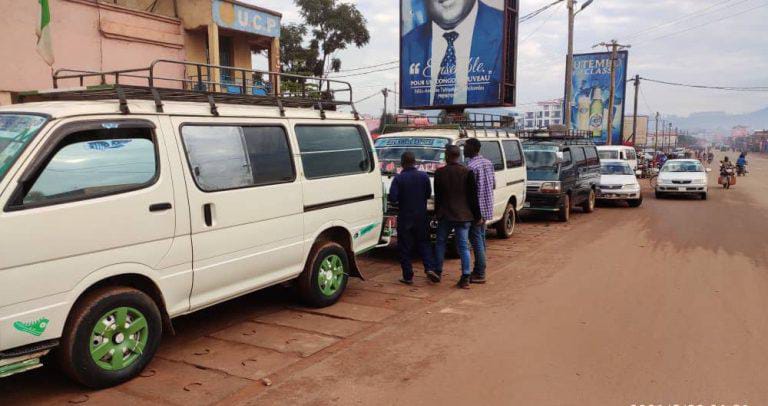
709,170
639,172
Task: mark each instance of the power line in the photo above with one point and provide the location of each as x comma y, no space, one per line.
681,18
705,24
728,88
368,97
549,17
368,67
532,15
364,73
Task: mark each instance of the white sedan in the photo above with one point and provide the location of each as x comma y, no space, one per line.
682,176
618,182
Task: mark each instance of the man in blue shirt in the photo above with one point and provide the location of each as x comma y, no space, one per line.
410,190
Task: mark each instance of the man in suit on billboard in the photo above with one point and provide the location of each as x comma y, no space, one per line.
455,58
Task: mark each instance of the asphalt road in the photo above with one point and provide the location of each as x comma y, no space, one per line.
664,304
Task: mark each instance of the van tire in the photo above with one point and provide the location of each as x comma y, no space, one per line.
75,353
506,226
564,215
589,205
330,259
635,202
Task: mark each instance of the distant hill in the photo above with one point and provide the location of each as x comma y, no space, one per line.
720,120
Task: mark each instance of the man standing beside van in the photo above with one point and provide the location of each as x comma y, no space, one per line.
456,207
485,180
410,190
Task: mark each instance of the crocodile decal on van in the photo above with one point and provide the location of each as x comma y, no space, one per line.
36,328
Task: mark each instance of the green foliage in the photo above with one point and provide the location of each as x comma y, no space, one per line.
329,26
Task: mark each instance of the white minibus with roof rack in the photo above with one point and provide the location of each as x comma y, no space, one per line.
119,214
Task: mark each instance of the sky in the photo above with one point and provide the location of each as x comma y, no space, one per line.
708,42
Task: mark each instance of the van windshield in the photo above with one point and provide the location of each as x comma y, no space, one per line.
16,131
429,152
608,154
542,162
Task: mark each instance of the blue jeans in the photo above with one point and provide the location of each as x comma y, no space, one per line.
461,234
477,239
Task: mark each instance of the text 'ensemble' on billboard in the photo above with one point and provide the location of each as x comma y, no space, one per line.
454,53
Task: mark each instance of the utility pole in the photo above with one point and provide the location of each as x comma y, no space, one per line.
385,92
614,47
669,137
569,68
634,119
656,138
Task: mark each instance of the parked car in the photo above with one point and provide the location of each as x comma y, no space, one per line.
562,173
682,176
120,214
618,182
621,152
428,145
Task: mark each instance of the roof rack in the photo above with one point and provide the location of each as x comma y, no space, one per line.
558,134
200,82
491,125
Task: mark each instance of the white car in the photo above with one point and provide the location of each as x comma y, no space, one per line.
683,176
618,182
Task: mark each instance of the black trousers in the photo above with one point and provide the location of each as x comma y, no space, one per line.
413,234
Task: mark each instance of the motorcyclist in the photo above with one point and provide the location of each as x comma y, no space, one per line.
710,157
741,163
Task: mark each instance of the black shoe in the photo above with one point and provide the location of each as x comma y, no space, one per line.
406,281
433,276
463,282
474,278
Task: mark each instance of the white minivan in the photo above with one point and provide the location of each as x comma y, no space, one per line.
621,152
118,215
502,148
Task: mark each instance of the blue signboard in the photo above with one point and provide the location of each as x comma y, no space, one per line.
454,54
592,93
241,18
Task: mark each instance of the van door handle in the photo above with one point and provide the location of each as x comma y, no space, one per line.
160,207
208,214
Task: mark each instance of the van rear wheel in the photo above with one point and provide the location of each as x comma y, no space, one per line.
325,276
110,337
506,226
564,214
589,205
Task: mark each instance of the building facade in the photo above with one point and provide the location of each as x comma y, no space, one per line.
101,35
544,114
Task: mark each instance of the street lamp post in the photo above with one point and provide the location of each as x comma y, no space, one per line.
569,61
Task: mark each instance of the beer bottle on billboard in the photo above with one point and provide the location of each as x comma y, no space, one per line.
582,118
596,113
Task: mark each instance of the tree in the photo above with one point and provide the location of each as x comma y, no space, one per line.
334,26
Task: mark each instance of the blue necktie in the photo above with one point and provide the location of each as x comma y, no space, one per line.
446,80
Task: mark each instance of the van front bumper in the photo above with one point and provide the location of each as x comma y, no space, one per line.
543,202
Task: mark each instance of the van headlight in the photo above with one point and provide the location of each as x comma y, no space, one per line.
631,186
699,182
551,187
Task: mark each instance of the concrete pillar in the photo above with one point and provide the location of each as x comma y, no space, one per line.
213,54
274,63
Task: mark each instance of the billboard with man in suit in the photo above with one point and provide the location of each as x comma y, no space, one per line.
455,53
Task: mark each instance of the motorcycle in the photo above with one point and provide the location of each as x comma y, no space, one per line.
741,170
727,177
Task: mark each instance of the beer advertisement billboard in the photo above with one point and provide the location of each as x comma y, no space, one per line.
458,53
592,92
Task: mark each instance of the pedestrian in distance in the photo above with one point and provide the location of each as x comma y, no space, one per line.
485,180
411,190
457,208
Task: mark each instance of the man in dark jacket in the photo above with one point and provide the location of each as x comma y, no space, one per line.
410,190
457,208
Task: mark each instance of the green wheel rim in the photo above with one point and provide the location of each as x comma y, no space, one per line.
119,338
330,275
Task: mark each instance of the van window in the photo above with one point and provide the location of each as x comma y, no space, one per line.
592,158
605,154
96,163
578,155
513,154
328,151
491,150
631,155
232,157
567,160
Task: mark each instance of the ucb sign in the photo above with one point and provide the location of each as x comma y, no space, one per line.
241,18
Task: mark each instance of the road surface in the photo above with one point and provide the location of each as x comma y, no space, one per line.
665,304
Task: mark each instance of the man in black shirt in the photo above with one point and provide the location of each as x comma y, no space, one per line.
457,208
